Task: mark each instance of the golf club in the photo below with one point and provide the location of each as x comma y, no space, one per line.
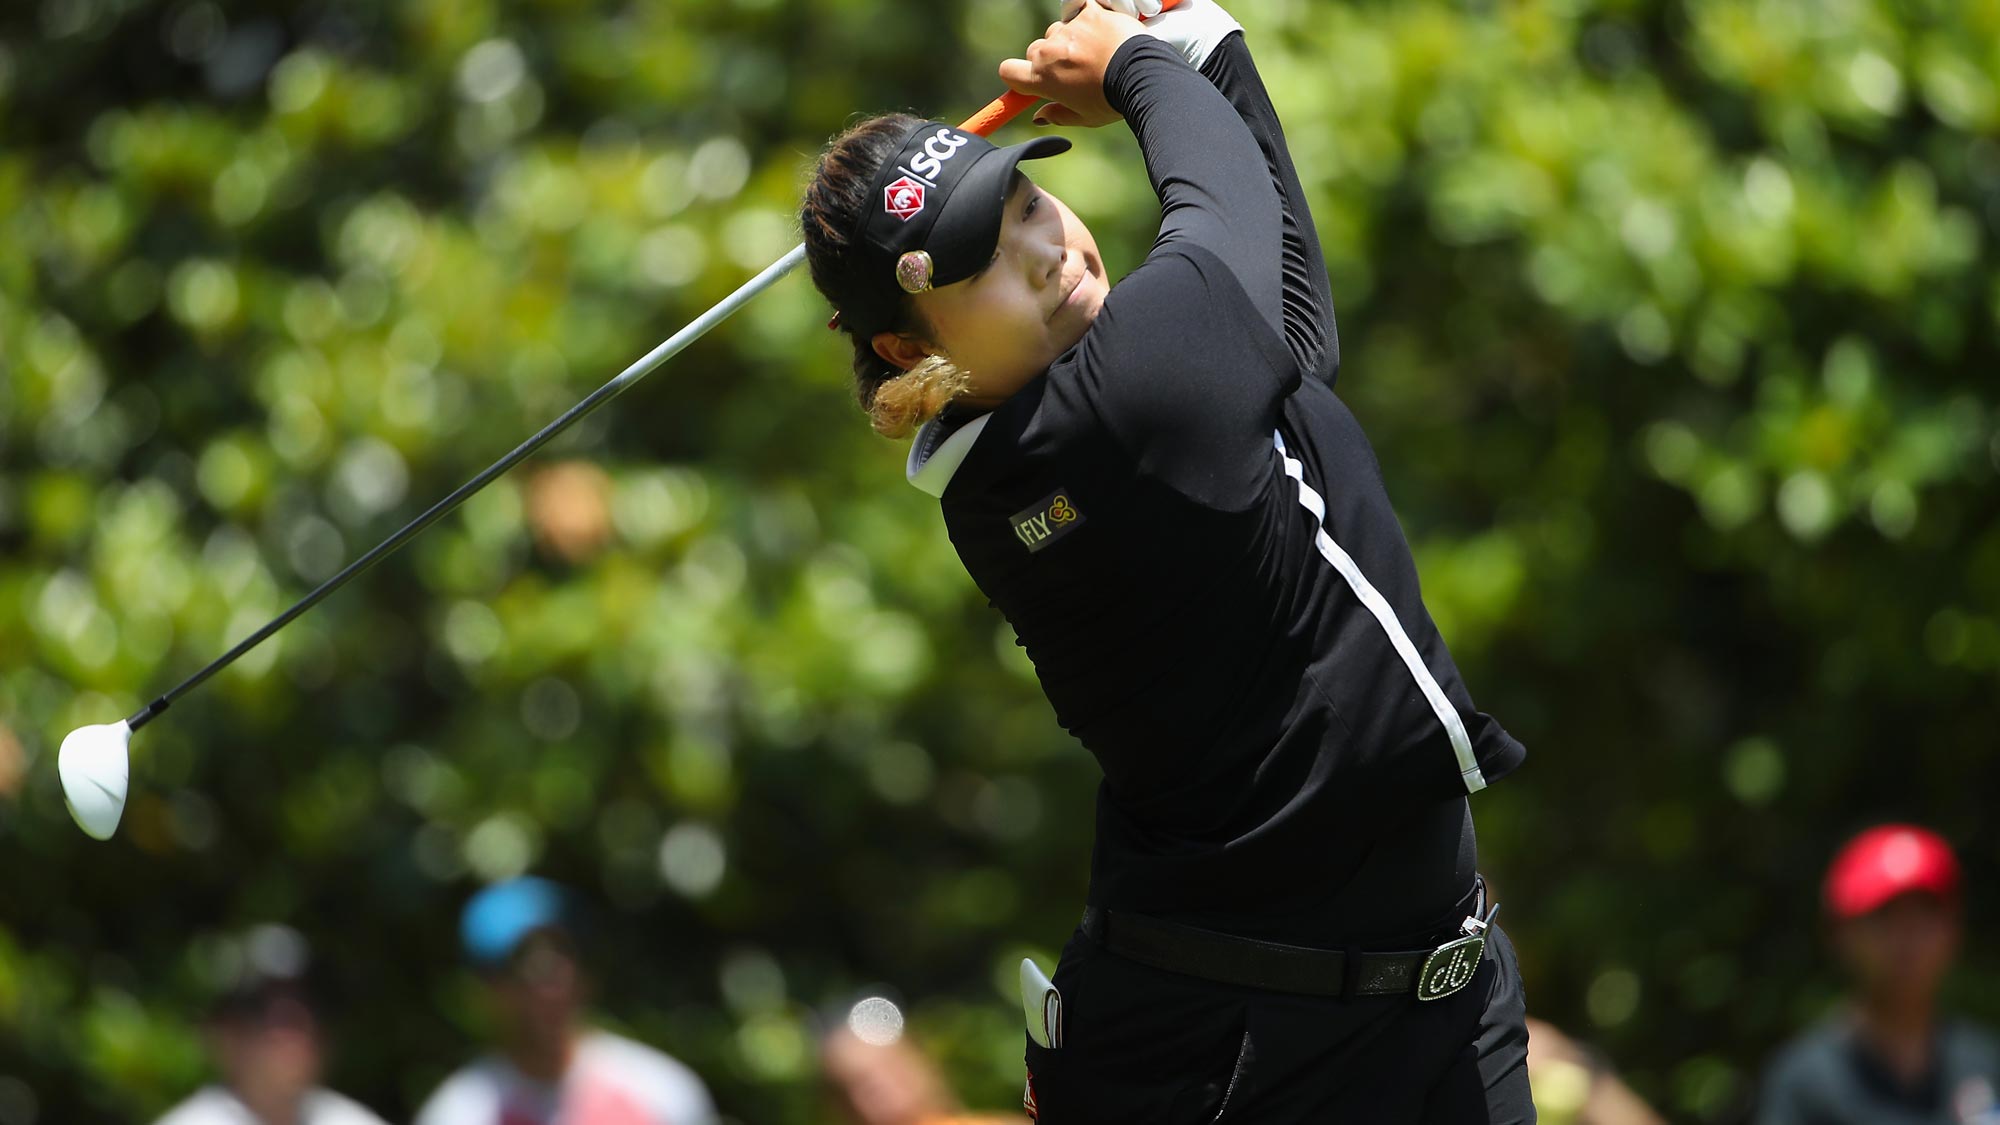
94,761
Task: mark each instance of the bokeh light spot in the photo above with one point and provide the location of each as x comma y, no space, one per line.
692,859
876,1021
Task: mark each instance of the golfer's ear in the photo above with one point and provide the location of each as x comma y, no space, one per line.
902,351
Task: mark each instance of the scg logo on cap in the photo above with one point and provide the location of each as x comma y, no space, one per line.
904,198
942,147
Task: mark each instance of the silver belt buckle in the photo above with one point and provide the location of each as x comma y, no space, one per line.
1451,966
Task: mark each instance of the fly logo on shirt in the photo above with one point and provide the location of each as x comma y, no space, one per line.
1048,521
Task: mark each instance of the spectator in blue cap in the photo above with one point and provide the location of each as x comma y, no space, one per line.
549,1065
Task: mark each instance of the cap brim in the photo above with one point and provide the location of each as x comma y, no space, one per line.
967,230
1855,903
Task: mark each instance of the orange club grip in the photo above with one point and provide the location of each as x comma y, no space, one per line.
998,112
1010,105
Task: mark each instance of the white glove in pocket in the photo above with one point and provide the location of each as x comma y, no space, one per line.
1192,27
1042,1005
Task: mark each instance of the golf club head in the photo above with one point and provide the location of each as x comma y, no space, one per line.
96,769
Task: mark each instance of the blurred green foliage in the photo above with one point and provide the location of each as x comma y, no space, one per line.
1673,324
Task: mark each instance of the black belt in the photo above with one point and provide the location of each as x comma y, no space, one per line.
1428,974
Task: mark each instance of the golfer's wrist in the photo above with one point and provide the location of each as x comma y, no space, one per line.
1133,52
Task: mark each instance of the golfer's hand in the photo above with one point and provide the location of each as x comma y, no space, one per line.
1137,9
1066,66
1192,27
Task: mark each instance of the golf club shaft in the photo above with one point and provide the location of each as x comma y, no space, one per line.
996,113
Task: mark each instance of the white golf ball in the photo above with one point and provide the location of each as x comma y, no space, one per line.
95,771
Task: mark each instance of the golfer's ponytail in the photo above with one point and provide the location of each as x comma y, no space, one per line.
897,401
898,404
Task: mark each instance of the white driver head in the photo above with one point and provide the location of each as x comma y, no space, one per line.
95,770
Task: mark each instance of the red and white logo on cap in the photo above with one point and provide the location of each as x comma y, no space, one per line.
904,198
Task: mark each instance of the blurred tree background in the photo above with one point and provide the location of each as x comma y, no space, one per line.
1673,323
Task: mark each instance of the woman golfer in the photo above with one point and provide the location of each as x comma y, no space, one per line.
1157,486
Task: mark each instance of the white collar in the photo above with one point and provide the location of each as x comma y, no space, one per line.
933,462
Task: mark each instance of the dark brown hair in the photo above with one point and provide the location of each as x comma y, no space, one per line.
897,401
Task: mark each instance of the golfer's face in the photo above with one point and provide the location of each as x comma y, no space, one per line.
1037,297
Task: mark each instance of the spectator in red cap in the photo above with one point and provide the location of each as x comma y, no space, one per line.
1890,1057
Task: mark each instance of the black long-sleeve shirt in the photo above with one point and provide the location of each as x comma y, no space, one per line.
1191,538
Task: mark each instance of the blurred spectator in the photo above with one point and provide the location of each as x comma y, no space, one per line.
1890,1057
877,1077
550,1067
13,763
264,1038
569,509
1575,1085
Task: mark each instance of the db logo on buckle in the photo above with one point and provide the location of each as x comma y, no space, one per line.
1450,967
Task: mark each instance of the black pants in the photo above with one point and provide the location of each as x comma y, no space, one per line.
1143,1045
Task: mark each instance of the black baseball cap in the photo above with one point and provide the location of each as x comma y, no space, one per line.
933,217
263,974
